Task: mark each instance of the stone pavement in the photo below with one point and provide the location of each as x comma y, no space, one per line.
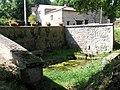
110,57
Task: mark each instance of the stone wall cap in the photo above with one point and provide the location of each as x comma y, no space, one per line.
90,25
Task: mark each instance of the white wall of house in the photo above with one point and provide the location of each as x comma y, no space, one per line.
54,18
43,17
67,15
40,14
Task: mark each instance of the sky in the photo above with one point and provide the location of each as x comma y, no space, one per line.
51,0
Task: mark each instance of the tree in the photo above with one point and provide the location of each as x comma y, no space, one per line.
111,8
14,9
63,2
5,7
37,2
18,10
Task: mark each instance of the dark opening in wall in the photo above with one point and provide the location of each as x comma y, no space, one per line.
68,22
79,22
86,21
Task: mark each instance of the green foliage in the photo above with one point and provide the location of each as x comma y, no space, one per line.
87,5
117,38
15,8
3,22
37,2
117,35
18,10
112,10
32,19
63,2
6,8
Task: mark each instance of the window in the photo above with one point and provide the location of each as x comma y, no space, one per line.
51,17
68,22
79,22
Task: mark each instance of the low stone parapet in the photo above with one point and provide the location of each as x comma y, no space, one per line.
20,61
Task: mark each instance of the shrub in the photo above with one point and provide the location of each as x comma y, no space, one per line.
3,22
32,19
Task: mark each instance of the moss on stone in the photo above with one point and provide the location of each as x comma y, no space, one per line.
34,59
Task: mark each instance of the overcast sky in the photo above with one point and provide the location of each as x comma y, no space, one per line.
51,0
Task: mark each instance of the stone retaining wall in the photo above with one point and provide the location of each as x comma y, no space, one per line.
91,38
35,38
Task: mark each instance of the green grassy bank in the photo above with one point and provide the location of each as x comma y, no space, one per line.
69,74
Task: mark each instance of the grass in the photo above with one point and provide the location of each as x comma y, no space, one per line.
70,74
59,55
76,76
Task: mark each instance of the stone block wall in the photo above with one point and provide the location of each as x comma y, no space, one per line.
35,38
91,38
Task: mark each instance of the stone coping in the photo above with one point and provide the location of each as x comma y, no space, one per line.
13,51
31,26
90,25
11,45
110,57
83,25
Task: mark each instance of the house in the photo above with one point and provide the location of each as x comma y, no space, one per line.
55,15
